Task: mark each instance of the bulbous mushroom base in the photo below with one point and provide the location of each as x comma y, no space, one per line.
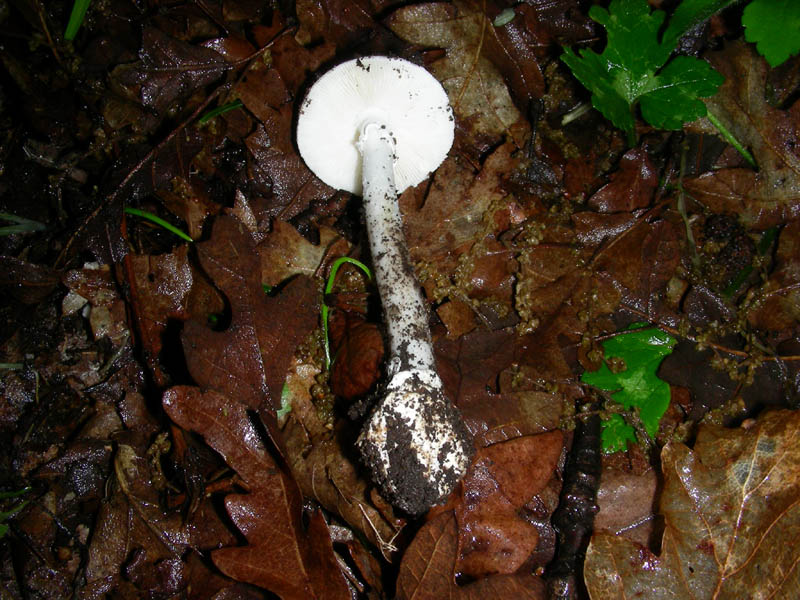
414,443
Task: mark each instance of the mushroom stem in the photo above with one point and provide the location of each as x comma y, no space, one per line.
406,314
414,441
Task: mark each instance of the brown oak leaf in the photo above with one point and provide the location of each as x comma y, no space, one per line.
282,555
731,510
249,359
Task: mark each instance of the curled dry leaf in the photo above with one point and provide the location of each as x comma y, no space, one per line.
731,510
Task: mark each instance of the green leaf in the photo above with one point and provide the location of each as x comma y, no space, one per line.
632,34
616,434
631,68
774,26
637,386
674,98
594,73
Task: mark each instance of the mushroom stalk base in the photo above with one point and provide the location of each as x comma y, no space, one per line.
414,441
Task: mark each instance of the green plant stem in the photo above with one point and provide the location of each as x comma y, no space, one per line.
328,288
732,140
158,221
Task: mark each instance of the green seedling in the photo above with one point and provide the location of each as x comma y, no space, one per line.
76,17
4,516
635,68
286,402
21,225
633,382
328,288
158,221
219,111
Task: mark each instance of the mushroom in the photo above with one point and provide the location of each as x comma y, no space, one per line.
375,126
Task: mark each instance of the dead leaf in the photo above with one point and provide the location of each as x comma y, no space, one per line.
732,519
168,70
427,571
162,288
458,209
770,195
248,360
778,306
285,253
322,464
494,535
479,96
630,188
282,555
356,352
626,502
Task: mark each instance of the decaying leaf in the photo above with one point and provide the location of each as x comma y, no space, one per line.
168,70
282,555
428,570
731,510
479,96
322,464
779,304
772,194
248,360
495,534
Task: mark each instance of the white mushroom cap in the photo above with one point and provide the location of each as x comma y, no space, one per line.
392,92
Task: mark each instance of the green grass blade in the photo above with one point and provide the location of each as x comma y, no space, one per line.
158,221
76,18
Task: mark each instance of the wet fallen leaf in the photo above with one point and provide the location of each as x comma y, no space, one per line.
162,288
248,360
732,517
778,307
772,194
321,460
428,570
479,96
282,555
168,71
626,501
495,534
357,354
630,188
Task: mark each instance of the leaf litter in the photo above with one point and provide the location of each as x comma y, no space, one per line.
167,407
